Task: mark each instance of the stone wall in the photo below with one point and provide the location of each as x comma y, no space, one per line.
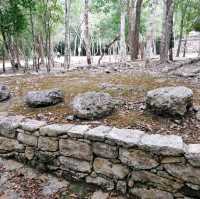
129,161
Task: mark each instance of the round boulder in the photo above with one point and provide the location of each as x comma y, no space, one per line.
4,93
44,98
93,105
173,101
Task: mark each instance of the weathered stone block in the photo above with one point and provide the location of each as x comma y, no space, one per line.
185,173
163,144
8,125
193,154
147,177
29,153
107,168
27,139
75,164
76,149
105,150
9,145
55,130
137,159
125,137
172,159
78,131
48,144
121,186
98,133
32,125
150,193
104,183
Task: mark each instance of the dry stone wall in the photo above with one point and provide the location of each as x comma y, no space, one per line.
129,161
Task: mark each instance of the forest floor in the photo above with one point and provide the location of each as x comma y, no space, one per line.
20,182
129,83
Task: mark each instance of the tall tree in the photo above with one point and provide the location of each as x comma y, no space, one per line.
166,30
87,39
134,27
151,29
123,4
67,33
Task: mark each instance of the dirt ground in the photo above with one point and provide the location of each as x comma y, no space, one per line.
129,83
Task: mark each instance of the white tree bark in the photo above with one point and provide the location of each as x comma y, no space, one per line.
151,29
67,34
87,39
123,4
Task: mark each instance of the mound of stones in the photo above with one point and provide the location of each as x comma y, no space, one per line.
169,101
4,93
44,98
93,105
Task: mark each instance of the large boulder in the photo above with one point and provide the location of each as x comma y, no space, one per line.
173,101
93,105
4,93
44,98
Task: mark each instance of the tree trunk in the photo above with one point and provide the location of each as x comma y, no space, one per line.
166,30
123,4
7,42
87,39
181,34
185,46
3,57
134,26
67,34
151,29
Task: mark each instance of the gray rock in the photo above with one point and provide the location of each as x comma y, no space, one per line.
97,133
107,168
76,149
174,101
105,150
137,159
4,93
27,139
193,154
32,125
185,173
121,186
125,137
29,153
147,177
163,144
100,194
150,193
8,145
93,105
78,131
44,98
75,164
8,125
104,183
48,144
55,130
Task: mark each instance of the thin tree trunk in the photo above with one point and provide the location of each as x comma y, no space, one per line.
3,57
9,49
134,25
87,39
123,31
181,34
67,34
33,39
166,30
185,46
151,29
